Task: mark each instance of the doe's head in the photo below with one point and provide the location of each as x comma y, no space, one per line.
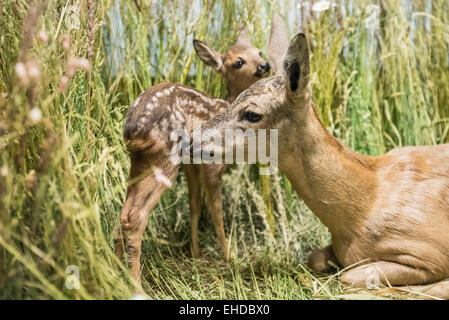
271,102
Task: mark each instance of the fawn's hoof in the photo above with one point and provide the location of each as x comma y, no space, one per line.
319,261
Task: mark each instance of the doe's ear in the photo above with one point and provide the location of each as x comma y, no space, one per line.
278,43
243,38
296,65
208,55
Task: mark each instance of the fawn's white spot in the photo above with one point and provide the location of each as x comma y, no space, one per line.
199,109
149,106
159,94
201,96
190,90
136,102
163,124
143,119
179,102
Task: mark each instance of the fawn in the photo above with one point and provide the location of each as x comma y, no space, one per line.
154,115
389,214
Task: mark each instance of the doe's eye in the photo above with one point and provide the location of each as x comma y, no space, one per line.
239,64
252,116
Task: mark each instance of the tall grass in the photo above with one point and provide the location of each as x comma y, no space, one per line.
379,84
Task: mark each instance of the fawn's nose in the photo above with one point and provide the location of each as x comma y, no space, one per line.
264,67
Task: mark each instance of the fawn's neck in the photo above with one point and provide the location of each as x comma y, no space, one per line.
234,91
231,96
337,184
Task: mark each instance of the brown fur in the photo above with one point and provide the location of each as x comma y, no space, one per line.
388,213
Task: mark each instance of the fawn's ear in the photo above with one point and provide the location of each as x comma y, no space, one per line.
208,55
296,65
278,43
243,38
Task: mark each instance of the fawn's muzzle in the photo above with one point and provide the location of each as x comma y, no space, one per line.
262,69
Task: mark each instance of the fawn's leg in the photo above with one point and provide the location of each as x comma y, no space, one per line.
141,198
319,260
211,184
192,173
395,274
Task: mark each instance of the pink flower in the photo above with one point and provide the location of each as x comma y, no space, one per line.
33,70
28,72
42,35
65,42
63,83
75,63
21,72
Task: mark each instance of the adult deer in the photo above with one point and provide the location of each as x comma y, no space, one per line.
159,111
387,214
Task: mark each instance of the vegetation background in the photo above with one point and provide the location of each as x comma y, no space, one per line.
69,70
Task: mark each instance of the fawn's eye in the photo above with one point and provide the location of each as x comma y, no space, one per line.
239,64
252,116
